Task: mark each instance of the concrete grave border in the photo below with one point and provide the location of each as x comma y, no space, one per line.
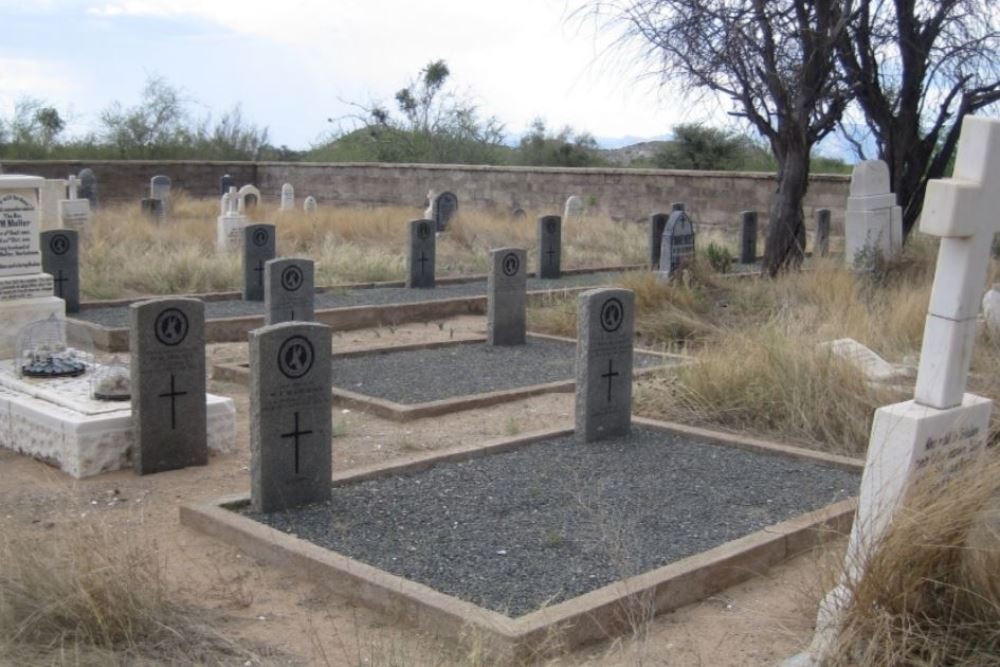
403,412
235,329
587,618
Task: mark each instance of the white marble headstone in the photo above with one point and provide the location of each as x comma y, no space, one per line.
873,220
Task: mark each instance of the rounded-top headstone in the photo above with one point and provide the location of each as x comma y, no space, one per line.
870,177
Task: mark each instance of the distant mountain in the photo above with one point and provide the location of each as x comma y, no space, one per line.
626,155
611,143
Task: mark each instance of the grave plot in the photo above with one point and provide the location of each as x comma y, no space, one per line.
229,318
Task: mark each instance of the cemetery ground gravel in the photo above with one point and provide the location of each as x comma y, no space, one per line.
550,521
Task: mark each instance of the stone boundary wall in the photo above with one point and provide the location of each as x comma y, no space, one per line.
712,198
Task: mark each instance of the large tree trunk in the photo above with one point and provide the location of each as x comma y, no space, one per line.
786,234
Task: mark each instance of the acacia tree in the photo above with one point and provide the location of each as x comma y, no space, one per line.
773,59
916,67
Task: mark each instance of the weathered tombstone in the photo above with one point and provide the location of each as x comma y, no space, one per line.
942,429
677,206
604,331
169,416
61,260
822,248
657,223
748,237
154,209
678,243
74,213
287,197
289,290
873,223
550,247
88,187
258,249
290,416
309,205
53,191
420,258
229,227
25,292
159,188
247,199
573,207
518,213
225,183
443,207
507,297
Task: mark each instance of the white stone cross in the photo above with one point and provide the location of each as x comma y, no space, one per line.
74,187
965,212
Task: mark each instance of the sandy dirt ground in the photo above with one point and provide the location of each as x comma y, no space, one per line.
757,623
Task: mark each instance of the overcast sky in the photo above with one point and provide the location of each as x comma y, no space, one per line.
290,62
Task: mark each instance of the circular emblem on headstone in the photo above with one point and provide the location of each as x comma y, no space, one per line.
612,314
510,264
550,226
291,278
423,231
295,357
171,327
59,244
260,237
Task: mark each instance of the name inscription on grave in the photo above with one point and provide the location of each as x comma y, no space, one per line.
29,287
19,229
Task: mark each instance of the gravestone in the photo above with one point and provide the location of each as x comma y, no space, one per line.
677,206
229,227
247,198
942,428
88,187
444,206
309,205
290,416
506,292
53,191
678,243
822,248
61,260
74,213
26,293
573,207
420,258
225,183
169,415
518,213
550,247
873,223
159,188
748,237
287,197
604,332
657,223
155,209
258,249
289,290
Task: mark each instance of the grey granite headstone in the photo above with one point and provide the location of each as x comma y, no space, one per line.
153,208
748,237
258,249
88,187
822,248
290,416
289,290
225,183
61,259
677,206
678,243
506,292
420,258
657,223
550,247
159,188
445,205
169,417
605,322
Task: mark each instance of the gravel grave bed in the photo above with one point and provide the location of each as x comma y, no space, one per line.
463,369
520,530
117,317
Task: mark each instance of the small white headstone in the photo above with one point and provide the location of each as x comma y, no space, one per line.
53,191
247,198
991,309
871,365
873,221
287,197
229,227
573,208
309,205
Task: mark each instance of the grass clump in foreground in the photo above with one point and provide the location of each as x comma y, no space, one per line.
85,599
930,592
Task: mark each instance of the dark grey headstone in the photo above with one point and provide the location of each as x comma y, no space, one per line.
550,247
822,232
420,258
88,187
605,322
225,183
518,213
169,417
678,243
677,206
748,237
258,249
153,208
657,223
61,259
445,207
289,290
506,298
290,416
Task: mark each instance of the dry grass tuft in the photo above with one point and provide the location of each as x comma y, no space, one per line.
930,594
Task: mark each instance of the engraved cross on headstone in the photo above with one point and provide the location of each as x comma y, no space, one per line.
965,212
260,272
423,261
296,435
610,375
59,283
172,395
